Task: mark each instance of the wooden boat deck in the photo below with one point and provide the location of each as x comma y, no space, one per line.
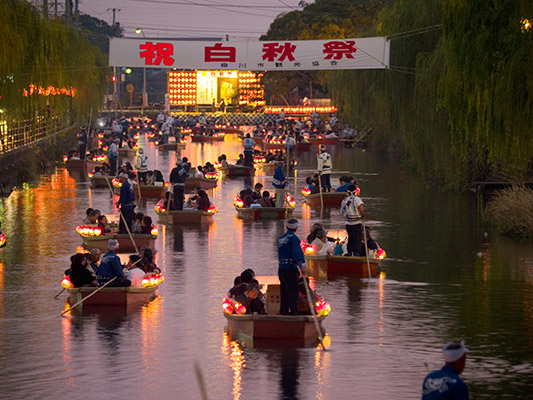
330,199
185,217
125,298
257,213
325,266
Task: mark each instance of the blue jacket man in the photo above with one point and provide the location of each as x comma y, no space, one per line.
248,143
126,202
110,267
445,384
82,142
291,257
279,184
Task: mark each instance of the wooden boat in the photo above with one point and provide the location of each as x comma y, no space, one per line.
259,140
237,170
89,165
124,242
126,152
147,191
101,181
256,213
324,140
217,137
252,329
267,167
274,146
204,183
123,298
168,146
326,265
193,216
231,130
330,199
303,146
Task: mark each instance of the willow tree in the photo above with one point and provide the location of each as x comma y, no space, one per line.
45,53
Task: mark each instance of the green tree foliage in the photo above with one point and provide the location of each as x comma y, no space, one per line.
46,52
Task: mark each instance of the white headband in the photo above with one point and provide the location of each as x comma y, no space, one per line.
112,244
454,353
291,225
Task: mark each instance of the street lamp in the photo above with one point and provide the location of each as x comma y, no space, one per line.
139,31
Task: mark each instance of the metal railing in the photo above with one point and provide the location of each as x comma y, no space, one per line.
15,134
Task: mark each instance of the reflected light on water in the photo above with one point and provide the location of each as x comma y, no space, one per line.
150,327
237,363
306,211
322,360
381,288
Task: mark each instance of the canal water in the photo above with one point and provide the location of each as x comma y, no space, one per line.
446,278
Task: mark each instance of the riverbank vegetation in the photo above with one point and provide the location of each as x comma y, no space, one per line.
48,67
511,211
457,100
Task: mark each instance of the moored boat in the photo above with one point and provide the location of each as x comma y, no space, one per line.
303,146
324,140
329,199
76,163
124,242
329,265
147,191
169,146
101,181
126,152
251,329
256,213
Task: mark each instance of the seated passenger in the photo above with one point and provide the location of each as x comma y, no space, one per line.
93,217
79,274
150,177
303,302
86,220
311,185
265,200
203,201
146,252
97,171
248,199
344,183
111,268
106,169
250,293
238,287
103,225
256,194
158,178
240,161
135,272
146,225
314,230
137,223
321,244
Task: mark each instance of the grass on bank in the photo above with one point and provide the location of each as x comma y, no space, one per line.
511,211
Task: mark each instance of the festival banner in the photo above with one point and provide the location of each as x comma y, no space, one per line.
285,55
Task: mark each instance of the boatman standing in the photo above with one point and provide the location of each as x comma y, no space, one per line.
141,163
126,202
112,154
279,182
445,384
324,168
82,142
291,257
353,211
248,143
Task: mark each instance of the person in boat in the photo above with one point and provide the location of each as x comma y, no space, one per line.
177,180
352,210
82,142
94,259
371,244
146,225
203,201
112,155
137,222
279,184
312,185
317,227
291,257
86,220
248,144
265,200
106,169
135,270
158,178
98,171
303,302
92,218
149,177
237,286
79,274
250,293
344,184
446,383
103,224
141,163
247,197
126,203
256,194
324,168
240,161
146,252
321,244
110,267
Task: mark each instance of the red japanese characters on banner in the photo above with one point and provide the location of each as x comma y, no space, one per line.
282,52
337,49
159,51
219,53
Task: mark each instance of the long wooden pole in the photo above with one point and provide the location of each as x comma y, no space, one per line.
312,309
366,249
92,294
201,381
122,216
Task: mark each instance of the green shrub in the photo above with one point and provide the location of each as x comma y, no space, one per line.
511,211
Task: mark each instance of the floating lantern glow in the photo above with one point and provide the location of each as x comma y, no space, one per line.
380,253
218,165
65,158
152,280
99,157
306,191
88,230
160,206
154,231
116,183
2,239
227,306
290,201
322,308
212,209
90,174
67,283
237,202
